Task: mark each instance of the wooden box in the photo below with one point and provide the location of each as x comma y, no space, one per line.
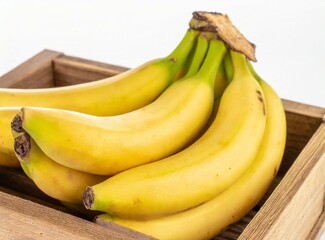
292,209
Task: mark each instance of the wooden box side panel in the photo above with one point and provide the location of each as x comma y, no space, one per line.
296,204
319,227
71,70
302,122
23,219
34,73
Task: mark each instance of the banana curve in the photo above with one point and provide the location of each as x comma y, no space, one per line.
111,96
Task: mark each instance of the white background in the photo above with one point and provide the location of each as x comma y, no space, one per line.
289,35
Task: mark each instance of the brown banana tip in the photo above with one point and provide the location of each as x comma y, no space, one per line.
88,198
16,124
22,145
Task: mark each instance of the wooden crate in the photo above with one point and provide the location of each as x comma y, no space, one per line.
293,208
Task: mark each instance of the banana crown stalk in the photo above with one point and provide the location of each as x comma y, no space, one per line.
198,57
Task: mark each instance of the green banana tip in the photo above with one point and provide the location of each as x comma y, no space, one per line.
88,198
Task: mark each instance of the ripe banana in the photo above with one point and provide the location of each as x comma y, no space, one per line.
199,172
221,82
210,218
111,96
7,160
7,154
57,181
107,145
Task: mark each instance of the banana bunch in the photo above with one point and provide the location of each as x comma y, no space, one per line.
116,95
202,152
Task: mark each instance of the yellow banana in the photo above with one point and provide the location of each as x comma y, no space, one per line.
7,160
107,145
57,181
125,92
210,218
7,154
199,172
221,82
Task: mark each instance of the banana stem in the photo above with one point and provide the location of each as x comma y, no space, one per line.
199,55
179,55
229,69
209,69
239,63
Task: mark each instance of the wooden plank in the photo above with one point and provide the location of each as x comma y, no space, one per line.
294,207
23,219
71,70
302,122
319,227
303,109
33,73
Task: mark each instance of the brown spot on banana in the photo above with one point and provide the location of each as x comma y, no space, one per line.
261,99
173,59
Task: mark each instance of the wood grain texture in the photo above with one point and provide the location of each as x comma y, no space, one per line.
71,70
302,122
23,219
36,72
319,227
294,207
